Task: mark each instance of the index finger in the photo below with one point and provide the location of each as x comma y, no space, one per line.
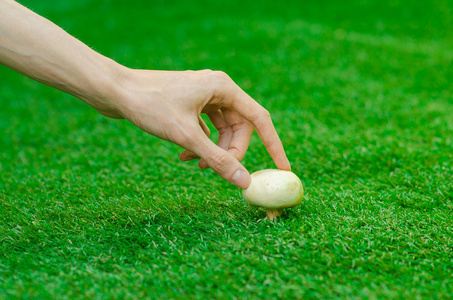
261,120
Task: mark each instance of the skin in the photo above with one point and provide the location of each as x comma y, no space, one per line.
166,104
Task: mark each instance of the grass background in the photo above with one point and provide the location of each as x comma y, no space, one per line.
360,93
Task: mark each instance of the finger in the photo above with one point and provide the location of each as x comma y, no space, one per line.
219,160
187,155
242,131
231,95
204,126
225,132
262,122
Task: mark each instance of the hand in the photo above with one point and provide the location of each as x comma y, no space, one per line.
168,104
165,104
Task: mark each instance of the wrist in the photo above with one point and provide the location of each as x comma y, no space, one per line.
104,89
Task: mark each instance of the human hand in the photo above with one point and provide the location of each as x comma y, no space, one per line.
168,104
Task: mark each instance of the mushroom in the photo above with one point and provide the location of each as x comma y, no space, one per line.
274,190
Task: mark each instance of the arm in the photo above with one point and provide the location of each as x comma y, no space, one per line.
37,48
163,103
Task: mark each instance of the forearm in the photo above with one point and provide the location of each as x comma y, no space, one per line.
39,49
166,104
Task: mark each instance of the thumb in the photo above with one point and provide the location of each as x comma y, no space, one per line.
222,162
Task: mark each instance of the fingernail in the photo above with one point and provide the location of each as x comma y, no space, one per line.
202,164
289,165
183,157
241,179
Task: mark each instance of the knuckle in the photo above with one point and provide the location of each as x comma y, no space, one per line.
224,130
220,75
205,71
274,145
220,82
236,152
265,114
219,161
219,78
215,81
262,116
243,125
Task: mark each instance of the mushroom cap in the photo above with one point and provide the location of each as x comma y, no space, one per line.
274,189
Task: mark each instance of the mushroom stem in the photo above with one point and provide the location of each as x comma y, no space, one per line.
273,214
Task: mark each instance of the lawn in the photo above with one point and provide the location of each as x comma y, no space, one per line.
361,95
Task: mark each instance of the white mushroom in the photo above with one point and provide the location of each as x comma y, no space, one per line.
274,190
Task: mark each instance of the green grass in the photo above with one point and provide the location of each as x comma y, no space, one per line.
360,92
